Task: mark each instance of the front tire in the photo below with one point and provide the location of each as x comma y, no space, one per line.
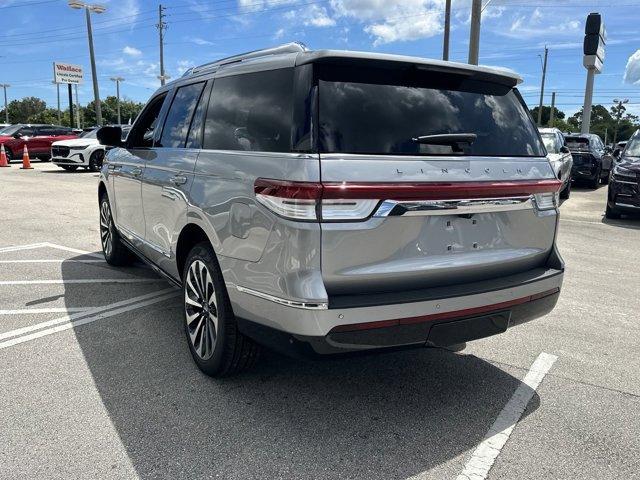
217,347
115,252
95,161
612,213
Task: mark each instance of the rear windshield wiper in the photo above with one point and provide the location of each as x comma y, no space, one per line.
455,140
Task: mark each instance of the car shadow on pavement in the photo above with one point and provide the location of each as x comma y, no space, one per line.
384,416
627,221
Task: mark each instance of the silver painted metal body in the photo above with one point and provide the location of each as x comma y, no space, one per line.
283,273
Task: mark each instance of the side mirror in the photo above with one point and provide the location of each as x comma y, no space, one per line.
608,150
616,153
110,136
564,149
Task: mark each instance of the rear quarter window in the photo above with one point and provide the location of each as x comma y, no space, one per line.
251,112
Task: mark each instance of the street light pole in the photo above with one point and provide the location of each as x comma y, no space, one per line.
161,26
118,80
6,108
88,8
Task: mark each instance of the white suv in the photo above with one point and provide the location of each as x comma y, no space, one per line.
85,151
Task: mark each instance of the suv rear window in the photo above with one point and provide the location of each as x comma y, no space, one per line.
378,111
577,143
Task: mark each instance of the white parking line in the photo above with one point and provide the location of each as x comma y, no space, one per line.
73,250
54,260
83,321
96,310
17,248
478,466
80,280
27,311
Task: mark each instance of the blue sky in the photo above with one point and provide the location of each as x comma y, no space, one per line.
514,32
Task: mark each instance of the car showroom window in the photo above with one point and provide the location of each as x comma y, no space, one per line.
251,112
141,135
176,125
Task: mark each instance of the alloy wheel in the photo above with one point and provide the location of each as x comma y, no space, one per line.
106,234
201,309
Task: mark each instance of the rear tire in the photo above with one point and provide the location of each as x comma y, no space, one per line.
70,168
115,252
217,347
612,213
566,191
596,181
95,161
9,154
605,179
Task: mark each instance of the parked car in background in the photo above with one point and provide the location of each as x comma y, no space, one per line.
309,201
618,149
559,157
592,163
84,151
37,138
624,187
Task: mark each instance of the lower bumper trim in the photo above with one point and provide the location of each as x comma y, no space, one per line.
444,315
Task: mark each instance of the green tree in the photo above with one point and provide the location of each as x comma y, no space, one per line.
546,114
21,110
128,110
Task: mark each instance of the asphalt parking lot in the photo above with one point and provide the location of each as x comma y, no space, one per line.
96,380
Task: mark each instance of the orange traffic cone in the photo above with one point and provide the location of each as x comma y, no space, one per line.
26,163
3,157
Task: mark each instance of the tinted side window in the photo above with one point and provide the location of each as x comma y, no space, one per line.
141,135
176,125
27,131
47,131
251,112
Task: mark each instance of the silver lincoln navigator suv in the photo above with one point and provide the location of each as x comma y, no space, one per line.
331,202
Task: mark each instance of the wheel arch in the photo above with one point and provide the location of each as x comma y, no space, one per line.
191,235
102,190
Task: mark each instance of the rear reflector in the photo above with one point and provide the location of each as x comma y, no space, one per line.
356,201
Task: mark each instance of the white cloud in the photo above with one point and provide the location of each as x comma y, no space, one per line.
197,41
184,65
632,70
131,51
279,33
318,17
394,20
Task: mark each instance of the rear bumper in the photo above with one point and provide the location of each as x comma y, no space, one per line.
426,333
438,316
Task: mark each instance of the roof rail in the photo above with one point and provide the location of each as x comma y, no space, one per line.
293,47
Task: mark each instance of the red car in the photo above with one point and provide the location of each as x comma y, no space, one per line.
37,138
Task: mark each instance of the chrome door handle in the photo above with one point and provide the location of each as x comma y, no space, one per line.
178,180
136,171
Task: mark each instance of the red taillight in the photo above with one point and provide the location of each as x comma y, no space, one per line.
333,201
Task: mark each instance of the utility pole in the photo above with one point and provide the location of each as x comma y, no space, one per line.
447,29
161,26
70,106
6,110
553,105
58,92
474,35
118,80
544,74
619,110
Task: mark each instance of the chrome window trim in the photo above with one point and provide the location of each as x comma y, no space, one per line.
453,207
284,301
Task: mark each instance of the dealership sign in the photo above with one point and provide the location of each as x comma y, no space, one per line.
595,38
67,73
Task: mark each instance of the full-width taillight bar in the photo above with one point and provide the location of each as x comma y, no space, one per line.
328,201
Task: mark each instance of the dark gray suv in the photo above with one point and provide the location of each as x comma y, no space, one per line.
329,202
